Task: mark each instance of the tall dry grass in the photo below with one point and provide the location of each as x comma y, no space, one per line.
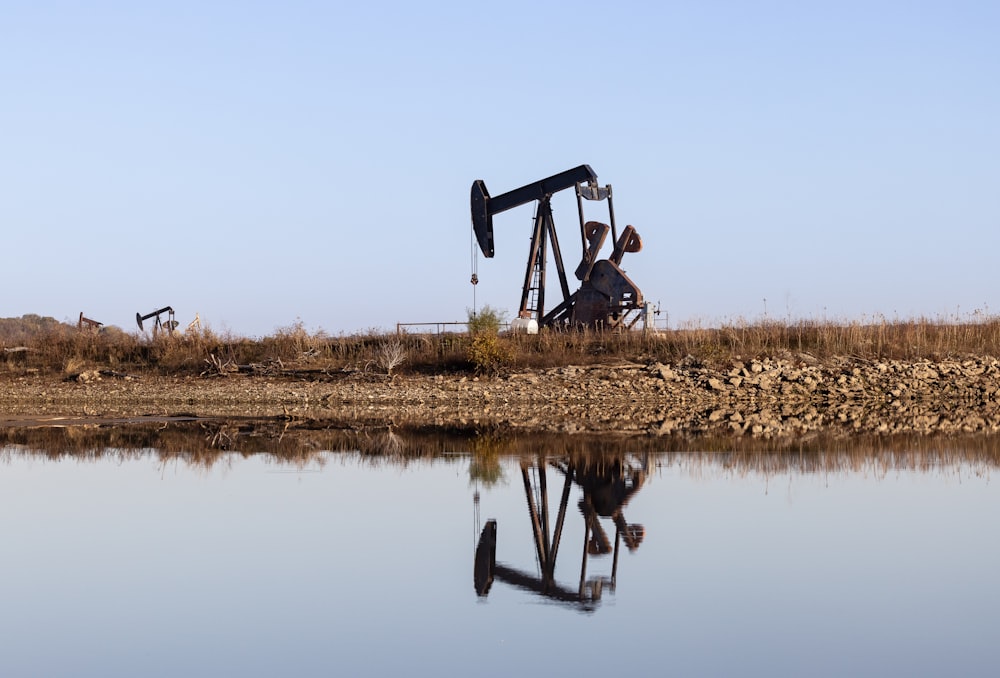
870,339
63,349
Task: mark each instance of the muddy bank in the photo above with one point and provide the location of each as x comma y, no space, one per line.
782,395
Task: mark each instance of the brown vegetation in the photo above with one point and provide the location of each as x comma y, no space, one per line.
207,443
42,345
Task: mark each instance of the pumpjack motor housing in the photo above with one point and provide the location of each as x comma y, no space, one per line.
606,298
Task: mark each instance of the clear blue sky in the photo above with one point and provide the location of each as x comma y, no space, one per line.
260,163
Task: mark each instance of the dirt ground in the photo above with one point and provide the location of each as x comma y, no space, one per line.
787,394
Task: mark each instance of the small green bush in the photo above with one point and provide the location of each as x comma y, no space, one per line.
489,354
487,321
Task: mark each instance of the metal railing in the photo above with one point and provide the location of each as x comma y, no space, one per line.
438,327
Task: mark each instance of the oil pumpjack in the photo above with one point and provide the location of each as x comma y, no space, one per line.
607,298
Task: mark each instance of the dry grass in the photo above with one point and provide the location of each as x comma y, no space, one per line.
869,339
878,339
60,348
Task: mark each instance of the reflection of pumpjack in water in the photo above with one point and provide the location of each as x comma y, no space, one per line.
608,485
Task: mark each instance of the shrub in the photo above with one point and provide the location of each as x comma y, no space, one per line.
390,354
487,321
489,354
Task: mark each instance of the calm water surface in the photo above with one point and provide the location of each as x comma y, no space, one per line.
131,561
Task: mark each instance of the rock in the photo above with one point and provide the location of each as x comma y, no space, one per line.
845,393
667,374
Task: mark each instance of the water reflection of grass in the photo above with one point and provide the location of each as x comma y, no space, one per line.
874,455
299,444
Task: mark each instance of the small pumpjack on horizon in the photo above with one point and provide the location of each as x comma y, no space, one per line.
85,323
170,325
607,298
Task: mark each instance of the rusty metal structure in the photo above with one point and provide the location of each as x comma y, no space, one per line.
170,325
606,298
85,323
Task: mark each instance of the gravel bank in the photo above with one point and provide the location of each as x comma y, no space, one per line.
783,395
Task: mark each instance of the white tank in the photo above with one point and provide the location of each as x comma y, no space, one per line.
525,325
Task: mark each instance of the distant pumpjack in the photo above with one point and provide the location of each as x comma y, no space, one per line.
170,324
87,323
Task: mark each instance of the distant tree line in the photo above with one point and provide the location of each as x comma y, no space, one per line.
21,330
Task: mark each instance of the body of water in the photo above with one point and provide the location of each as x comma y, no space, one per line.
124,560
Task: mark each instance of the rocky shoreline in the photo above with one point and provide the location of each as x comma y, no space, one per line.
790,394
